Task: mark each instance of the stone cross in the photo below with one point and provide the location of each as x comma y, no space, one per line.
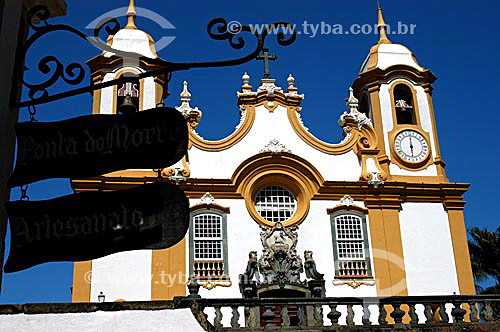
266,57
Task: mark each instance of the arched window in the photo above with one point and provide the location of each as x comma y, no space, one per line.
403,102
350,244
364,105
128,89
208,245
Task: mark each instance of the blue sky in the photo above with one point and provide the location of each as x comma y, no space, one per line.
457,40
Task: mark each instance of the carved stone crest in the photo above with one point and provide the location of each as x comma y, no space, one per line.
279,262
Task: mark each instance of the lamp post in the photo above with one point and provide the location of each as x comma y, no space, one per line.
101,297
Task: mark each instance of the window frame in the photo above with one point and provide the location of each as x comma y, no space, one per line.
223,216
284,188
366,242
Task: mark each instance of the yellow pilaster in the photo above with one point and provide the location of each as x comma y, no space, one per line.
460,246
388,258
169,272
82,276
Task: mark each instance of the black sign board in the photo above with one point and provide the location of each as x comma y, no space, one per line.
92,145
90,225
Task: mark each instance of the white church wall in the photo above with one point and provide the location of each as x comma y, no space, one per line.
122,276
386,113
268,126
107,100
425,116
428,250
150,92
123,321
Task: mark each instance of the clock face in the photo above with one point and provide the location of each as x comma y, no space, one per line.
411,146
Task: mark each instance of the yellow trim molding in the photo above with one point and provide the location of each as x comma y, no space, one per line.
211,206
346,208
328,148
209,285
353,283
229,141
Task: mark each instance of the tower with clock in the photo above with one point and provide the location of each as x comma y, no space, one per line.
396,93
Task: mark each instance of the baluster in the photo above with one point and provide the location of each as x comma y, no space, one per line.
318,314
350,315
429,317
302,316
202,310
251,315
382,314
458,313
397,314
334,315
236,317
488,311
442,313
218,317
413,314
473,312
268,316
366,315
284,316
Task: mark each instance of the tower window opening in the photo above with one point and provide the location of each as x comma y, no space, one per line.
403,102
130,89
364,106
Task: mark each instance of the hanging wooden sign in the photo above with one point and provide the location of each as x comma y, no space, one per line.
93,145
90,225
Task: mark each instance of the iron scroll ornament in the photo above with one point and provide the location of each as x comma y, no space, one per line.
74,73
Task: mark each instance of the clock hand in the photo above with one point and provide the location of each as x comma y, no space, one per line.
411,147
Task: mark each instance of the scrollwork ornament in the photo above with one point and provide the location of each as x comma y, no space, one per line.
74,73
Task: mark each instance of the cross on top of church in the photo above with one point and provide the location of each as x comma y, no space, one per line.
266,57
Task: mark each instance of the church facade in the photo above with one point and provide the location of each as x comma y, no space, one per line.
374,213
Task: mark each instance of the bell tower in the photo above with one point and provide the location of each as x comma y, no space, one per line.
395,92
135,275
144,93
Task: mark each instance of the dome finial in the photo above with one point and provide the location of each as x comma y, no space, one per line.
382,27
352,102
185,94
131,15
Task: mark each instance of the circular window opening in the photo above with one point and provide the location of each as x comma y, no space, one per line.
275,203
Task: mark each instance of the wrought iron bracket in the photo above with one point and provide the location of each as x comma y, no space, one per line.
74,73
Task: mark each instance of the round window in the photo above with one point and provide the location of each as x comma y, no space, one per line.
275,203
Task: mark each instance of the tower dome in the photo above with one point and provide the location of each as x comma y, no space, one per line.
132,39
385,54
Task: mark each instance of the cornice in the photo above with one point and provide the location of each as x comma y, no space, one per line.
390,193
368,78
